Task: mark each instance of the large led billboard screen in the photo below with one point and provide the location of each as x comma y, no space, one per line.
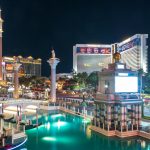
93,50
126,84
130,44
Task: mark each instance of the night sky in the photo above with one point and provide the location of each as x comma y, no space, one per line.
32,27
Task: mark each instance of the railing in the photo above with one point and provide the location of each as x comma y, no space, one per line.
85,111
113,97
10,133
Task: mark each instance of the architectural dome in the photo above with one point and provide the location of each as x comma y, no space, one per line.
20,56
30,57
39,59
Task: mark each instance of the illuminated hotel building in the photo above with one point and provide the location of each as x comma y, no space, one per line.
134,52
89,58
29,66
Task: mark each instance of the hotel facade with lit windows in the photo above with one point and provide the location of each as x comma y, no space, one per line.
91,57
29,67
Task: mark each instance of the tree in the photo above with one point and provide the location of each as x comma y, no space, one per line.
146,84
140,76
25,81
70,84
93,79
82,78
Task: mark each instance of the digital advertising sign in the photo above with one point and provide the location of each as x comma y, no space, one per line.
94,50
128,84
130,44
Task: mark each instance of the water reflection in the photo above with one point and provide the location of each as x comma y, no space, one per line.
72,133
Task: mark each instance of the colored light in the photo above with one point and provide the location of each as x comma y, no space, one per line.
46,118
60,124
18,145
86,121
88,132
67,140
143,144
48,125
56,115
49,138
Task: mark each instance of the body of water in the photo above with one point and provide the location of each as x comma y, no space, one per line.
63,131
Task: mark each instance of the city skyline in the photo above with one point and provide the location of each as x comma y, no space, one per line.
33,27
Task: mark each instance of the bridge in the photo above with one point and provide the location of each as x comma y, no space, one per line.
15,105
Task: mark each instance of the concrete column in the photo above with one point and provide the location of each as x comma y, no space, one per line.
108,127
125,115
122,118
1,31
140,114
1,109
136,115
115,115
16,81
115,126
12,135
17,120
133,114
3,142
127,128
2,125
100,113
25,116
74,109
95,111
20,117
105,114
108,116
53,61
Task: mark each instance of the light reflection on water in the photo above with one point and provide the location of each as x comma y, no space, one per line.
73,132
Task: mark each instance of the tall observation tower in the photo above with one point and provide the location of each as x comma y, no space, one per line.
1,30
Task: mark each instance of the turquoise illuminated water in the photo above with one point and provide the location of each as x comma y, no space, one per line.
68,132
